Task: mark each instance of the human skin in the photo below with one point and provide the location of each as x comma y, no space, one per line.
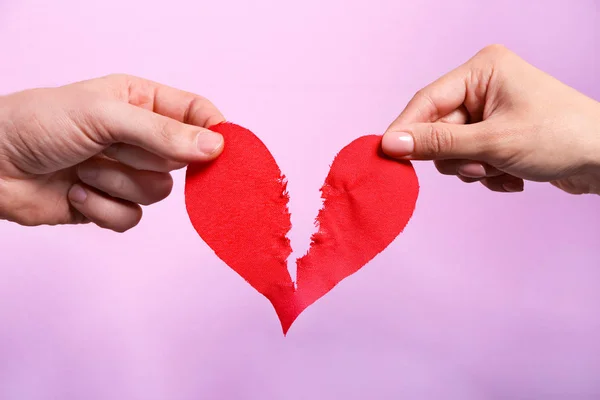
95,151
498,120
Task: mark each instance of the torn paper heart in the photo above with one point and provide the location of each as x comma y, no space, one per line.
238,205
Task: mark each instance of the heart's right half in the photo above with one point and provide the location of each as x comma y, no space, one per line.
238,206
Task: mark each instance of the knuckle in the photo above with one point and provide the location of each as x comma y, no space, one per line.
494,49
161,189
166,130
123,224
478,79
118,78
425,104
492,56
117,85
120,184
165,187
438,141
114,183
444,167
92,119
193,110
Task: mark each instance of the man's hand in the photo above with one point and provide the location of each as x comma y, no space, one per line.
95,150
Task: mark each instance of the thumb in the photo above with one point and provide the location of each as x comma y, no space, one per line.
437,141
160,135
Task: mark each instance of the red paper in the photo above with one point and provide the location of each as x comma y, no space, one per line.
238,206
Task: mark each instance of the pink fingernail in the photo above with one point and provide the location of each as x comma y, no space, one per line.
77,194
472,170
209,142
398,144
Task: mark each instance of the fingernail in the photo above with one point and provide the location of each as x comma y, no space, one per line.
209,143
512,187
398,144
471,170
77,194
87,174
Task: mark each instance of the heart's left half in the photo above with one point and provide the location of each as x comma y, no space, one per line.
238,206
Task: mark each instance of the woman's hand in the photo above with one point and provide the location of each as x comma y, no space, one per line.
95,150
498,120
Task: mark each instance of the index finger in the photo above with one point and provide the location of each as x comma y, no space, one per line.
436,100
180,105
466,85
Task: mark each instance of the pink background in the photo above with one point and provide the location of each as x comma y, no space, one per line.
485,296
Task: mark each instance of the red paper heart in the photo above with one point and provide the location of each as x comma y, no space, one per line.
238,205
